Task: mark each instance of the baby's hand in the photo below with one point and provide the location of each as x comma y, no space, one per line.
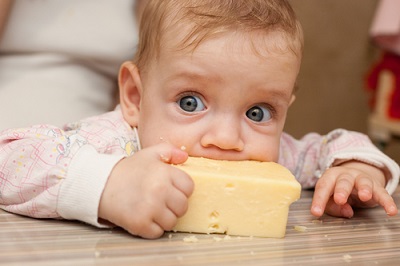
352,184
145,194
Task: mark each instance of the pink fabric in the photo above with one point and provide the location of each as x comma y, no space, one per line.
48,172
385,28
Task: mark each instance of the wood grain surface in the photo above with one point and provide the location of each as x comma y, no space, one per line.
369,238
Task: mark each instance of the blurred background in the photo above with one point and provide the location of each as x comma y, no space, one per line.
337,57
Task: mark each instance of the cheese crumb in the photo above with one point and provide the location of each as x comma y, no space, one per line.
190,239
164,158
347,258
300,228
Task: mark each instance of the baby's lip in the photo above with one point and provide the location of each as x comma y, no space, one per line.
221,155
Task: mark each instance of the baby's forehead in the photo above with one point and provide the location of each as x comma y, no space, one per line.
261,43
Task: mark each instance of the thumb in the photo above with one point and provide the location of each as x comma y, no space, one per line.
171,154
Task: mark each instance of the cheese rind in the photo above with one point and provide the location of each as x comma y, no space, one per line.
244,198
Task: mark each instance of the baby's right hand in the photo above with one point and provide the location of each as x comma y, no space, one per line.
144,194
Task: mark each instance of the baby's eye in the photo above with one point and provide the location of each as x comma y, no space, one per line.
191,104
259,113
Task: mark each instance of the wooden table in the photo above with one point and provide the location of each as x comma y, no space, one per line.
370,238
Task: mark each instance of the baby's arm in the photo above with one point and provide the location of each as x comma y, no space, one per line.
91,171
47,172
145,194
349,157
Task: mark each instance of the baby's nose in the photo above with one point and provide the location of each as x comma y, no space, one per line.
224,133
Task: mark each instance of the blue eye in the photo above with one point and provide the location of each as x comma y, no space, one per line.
259,114
191,104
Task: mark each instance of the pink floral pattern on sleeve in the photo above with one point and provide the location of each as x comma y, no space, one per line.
34,161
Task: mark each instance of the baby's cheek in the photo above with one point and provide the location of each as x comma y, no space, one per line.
266,153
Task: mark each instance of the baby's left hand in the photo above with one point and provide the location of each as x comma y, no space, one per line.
351,184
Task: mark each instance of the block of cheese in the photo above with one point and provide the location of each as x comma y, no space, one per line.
243,198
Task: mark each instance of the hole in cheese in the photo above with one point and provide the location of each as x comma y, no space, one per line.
229,187
214,215
213,228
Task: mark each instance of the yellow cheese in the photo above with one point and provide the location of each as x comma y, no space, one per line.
244,198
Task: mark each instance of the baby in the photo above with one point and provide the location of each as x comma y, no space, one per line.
214,77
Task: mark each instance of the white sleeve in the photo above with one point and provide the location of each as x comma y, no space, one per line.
81,191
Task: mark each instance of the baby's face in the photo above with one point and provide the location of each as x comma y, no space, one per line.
221,101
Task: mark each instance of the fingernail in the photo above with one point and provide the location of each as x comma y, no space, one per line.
317,210
391,210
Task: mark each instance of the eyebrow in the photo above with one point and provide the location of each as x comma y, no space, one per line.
278,93
194,75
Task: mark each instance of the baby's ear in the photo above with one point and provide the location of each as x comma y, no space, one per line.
130,91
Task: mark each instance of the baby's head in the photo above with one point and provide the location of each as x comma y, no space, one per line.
215,76
189,22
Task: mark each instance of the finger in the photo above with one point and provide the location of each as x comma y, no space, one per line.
170,154
178,156
183,182
166,219
177,203
364,187
342,210
343,188
143,225
323,191
391,209
382,197
153,231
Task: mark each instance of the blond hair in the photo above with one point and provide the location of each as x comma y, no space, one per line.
207,18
